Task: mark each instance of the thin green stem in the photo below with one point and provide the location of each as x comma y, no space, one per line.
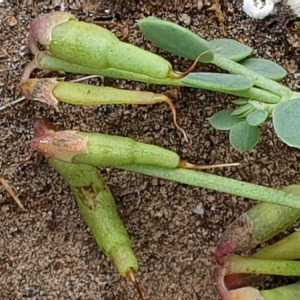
287,248
236,264
259,80
259,95
220,184
295,95
288,292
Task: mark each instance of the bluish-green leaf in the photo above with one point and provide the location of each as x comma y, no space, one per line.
246,113
265,67
244,109
241,101
223,120
231,49
286,120
175,39
244,137
257,117
217,81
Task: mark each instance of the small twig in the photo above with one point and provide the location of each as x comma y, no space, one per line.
12,193
11,103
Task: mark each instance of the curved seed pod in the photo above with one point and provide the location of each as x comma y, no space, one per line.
105,150
99,149
98,209
51,91
45,61
93,46
252,228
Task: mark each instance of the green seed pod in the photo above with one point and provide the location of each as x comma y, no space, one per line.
93,46
51,91
99,149
98,208
82,43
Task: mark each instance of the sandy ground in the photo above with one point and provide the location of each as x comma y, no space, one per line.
48,252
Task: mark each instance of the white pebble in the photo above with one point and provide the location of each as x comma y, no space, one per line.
259,9
295,6
199,209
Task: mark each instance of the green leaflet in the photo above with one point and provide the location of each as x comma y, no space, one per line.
231,49
286,120
223,120
217,82
265,67
257,117
243,110
244,137
241,101
175,39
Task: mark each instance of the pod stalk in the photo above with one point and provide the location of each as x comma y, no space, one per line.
186,165
131,276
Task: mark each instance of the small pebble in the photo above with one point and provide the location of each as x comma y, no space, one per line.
199,209
12,21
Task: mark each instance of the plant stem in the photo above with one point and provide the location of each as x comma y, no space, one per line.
235,264
288,292
220,184
287,248
259,95
48,62
259,80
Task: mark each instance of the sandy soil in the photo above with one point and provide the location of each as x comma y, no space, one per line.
48,252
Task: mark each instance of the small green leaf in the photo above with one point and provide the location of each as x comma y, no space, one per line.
246,113
217,82
265,67
243,109
223,120
175,39
241,101
286,120
231,49
244,137
257,117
